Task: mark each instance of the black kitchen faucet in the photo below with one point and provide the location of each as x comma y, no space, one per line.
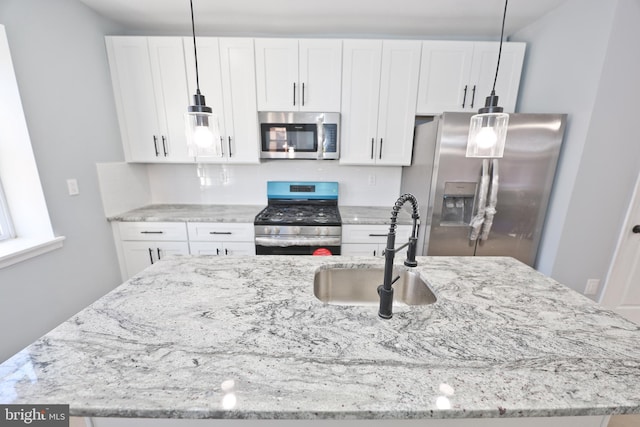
385,291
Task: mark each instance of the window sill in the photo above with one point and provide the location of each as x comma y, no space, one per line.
16,250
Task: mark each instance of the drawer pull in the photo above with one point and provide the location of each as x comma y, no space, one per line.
151,232
159,254
377,235
151,255
220,232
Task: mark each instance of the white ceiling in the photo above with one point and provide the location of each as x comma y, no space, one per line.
393,18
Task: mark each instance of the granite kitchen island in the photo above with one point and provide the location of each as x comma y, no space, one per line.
245,338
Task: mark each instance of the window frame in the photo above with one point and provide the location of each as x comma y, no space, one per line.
6,225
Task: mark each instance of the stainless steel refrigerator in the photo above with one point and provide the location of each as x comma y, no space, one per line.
452,197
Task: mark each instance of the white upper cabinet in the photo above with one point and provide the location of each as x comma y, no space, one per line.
239,89
150,88
227,80
458,76
298,75
485,57
380,82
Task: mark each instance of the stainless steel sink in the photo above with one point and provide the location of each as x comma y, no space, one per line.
358,286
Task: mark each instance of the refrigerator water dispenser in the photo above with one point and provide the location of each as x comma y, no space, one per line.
457,203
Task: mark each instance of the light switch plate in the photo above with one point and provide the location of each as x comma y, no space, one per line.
72,187
592,287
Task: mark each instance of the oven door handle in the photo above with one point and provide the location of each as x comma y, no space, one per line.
298,241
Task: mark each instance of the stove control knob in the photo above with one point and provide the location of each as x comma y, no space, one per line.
267,230
296,230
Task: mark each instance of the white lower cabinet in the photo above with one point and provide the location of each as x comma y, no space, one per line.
210,238
140,255
144,243
370,240
226,248
140,244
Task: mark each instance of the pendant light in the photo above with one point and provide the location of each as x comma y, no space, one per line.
201,124
488,128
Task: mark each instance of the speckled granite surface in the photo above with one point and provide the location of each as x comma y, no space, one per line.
225,337
247,213
372,215
191,213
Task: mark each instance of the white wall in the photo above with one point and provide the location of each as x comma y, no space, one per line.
583,61
60,62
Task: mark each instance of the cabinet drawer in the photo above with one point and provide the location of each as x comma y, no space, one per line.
220,232
373,233
173,231
218,248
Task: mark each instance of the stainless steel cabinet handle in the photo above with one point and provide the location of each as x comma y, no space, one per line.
220,232
221,146
158,254
303,94
464,96
155,145
164,145
151,255
380,155
473,95
294,93
230,154
372,142
151,232
636,229
374,252
226,251
217,251
377,235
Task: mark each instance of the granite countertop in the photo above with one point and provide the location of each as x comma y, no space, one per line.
247,213
372,215
190,213
227,337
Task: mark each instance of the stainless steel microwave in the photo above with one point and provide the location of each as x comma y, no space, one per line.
298,135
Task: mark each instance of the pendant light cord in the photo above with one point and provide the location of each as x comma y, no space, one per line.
504,16
195,51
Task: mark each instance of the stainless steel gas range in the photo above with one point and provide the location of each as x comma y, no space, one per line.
301,218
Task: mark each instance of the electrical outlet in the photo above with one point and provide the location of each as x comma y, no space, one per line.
592,287
72,187
372,180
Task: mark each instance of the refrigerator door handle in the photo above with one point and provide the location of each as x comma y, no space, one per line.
477,221
490,211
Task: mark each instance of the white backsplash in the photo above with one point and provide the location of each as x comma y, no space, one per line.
123,186
244,184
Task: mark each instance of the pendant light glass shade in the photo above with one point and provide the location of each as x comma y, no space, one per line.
203,133
487,134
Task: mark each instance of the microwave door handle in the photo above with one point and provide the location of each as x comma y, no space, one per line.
320,127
